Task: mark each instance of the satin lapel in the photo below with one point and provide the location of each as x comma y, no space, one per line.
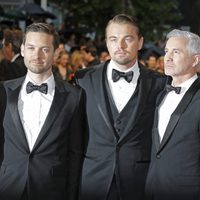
155,132
97,81
144,86
178,112
57,104
13,94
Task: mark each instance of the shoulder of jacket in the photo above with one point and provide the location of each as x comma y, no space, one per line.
84,72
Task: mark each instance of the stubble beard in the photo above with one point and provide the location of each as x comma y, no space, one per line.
38,69
122,61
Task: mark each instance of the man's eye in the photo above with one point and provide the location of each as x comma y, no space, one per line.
30,48
46,50
176,51
113,39
129,39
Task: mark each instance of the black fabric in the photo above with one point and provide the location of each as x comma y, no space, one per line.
113,193
119,120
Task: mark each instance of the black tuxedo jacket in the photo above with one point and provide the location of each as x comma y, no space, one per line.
174,172
52,169
127,157
14,69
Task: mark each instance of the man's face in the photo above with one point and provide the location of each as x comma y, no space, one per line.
178,62
123,43
38,52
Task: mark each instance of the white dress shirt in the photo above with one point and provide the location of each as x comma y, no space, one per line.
33,108
169,104
122,90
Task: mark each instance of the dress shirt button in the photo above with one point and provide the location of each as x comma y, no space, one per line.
158,156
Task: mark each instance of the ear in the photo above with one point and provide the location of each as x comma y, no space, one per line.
141,41
106,41
196,61
22,50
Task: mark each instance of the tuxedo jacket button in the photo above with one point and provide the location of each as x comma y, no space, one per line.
158,156
118,121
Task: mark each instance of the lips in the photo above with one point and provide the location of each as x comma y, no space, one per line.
37,62
120,53
169,65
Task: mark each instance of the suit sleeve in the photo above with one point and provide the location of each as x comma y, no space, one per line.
76,149
2,112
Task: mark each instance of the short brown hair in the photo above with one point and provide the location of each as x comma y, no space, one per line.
124,19
43,28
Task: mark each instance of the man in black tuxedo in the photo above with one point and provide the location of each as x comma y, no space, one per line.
175,165
120,105
42,126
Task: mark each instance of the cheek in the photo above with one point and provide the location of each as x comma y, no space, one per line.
134,48
50,59
181,62
110,49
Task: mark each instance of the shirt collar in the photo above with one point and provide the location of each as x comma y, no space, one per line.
185,85
15,57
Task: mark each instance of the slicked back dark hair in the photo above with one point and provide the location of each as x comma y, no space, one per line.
43,28
124,19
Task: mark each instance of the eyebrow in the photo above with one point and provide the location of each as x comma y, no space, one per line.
179,49
123,37
29,44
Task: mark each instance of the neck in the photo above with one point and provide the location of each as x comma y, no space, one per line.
39,78
126,66
179,80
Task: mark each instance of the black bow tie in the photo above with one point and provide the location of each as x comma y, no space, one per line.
116,75
42,88
170,88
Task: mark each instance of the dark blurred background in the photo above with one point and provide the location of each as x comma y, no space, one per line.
156,17
81,25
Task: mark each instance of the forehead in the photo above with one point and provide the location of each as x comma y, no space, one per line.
121,29
37,39
177,42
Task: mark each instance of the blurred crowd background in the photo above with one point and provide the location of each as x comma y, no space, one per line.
81,25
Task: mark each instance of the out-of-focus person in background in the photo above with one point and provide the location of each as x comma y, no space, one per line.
62,67
90,55
13,64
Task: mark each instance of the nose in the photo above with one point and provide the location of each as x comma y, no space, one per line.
38,53
169,55
121,44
